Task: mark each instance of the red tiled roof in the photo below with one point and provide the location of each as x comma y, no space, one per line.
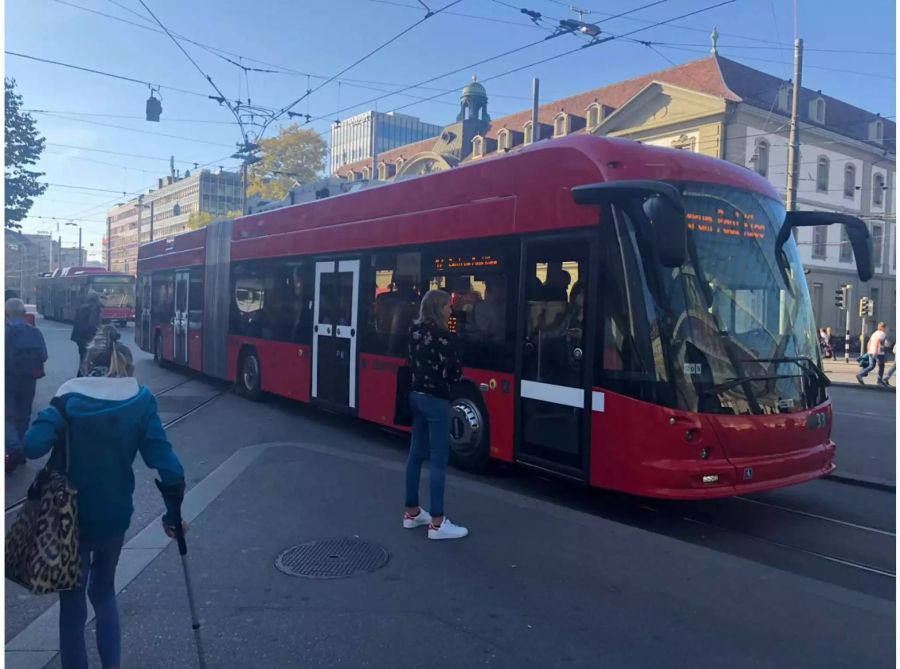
712,75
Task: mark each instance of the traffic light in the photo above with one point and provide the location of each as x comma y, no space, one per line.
840,300
870,307
864,307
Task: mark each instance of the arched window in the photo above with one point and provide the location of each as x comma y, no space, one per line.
820,110
367,173
876,131
785,95
503,142
878,190
528,132
399,163
850,180
382,171
822,174
477,146
593,116
561,125
762,157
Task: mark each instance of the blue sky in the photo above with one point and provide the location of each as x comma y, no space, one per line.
321,37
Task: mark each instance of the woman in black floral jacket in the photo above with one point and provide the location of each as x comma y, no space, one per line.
434,364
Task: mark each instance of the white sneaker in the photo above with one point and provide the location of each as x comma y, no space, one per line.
447,530
421,518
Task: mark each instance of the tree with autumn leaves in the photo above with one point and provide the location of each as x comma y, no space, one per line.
23,148
295,156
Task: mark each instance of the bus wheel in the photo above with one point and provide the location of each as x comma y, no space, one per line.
158,349
469,430
250,376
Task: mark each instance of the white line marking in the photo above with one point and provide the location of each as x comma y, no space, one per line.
548,392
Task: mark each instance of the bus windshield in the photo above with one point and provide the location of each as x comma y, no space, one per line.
737,318
115,292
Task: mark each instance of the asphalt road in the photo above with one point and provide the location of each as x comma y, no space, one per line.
796,577
865,430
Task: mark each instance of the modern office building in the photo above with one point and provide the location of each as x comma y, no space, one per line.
164,212
363,136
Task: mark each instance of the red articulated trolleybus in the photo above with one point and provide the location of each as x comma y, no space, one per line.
61,293
633,317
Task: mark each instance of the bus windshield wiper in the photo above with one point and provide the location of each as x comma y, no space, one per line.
803,362
731,383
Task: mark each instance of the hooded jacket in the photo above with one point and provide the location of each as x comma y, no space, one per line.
109,420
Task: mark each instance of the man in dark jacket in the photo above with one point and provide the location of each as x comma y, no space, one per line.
86,324
26,353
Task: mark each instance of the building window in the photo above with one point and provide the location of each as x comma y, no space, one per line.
503,142
878,243
878,190
477,146
850,180
762,157
528,132
561,125
593,116
817,110
785,95
876,131
822,175
818,291
820,242
399,163
846,254
367,173
876,303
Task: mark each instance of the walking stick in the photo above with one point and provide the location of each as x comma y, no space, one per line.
182,550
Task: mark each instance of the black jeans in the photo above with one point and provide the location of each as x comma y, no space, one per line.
19,398
82,351
880,366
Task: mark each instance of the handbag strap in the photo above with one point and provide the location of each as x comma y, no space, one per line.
59,456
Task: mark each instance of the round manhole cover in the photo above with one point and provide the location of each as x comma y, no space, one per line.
332,558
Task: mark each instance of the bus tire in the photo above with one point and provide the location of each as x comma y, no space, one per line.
249,375
469,429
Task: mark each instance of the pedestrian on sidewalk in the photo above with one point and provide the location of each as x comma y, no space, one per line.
434,365
106,420
875,353
26,353
889,350
85,325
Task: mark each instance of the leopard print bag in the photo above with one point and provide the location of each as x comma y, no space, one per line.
42,544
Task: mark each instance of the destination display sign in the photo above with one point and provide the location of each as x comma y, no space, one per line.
450,263
727,222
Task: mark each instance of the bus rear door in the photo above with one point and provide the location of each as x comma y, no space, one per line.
180,317
335,333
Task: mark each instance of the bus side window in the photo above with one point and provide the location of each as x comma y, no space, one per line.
481,317
395,282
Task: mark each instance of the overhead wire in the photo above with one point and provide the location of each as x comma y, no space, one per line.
102,73
282,69
371,53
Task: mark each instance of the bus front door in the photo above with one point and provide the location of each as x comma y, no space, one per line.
335,332
180,318
555,354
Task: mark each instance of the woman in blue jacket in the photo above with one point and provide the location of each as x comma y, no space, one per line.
109,418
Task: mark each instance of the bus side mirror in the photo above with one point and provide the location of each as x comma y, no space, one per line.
857,233
662,204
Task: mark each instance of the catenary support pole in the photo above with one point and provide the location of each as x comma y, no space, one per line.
794,142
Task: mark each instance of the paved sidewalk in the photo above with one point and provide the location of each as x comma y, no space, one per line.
844,374
534,585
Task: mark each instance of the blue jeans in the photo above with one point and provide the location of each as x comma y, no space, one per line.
430,440
870,365
98,573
